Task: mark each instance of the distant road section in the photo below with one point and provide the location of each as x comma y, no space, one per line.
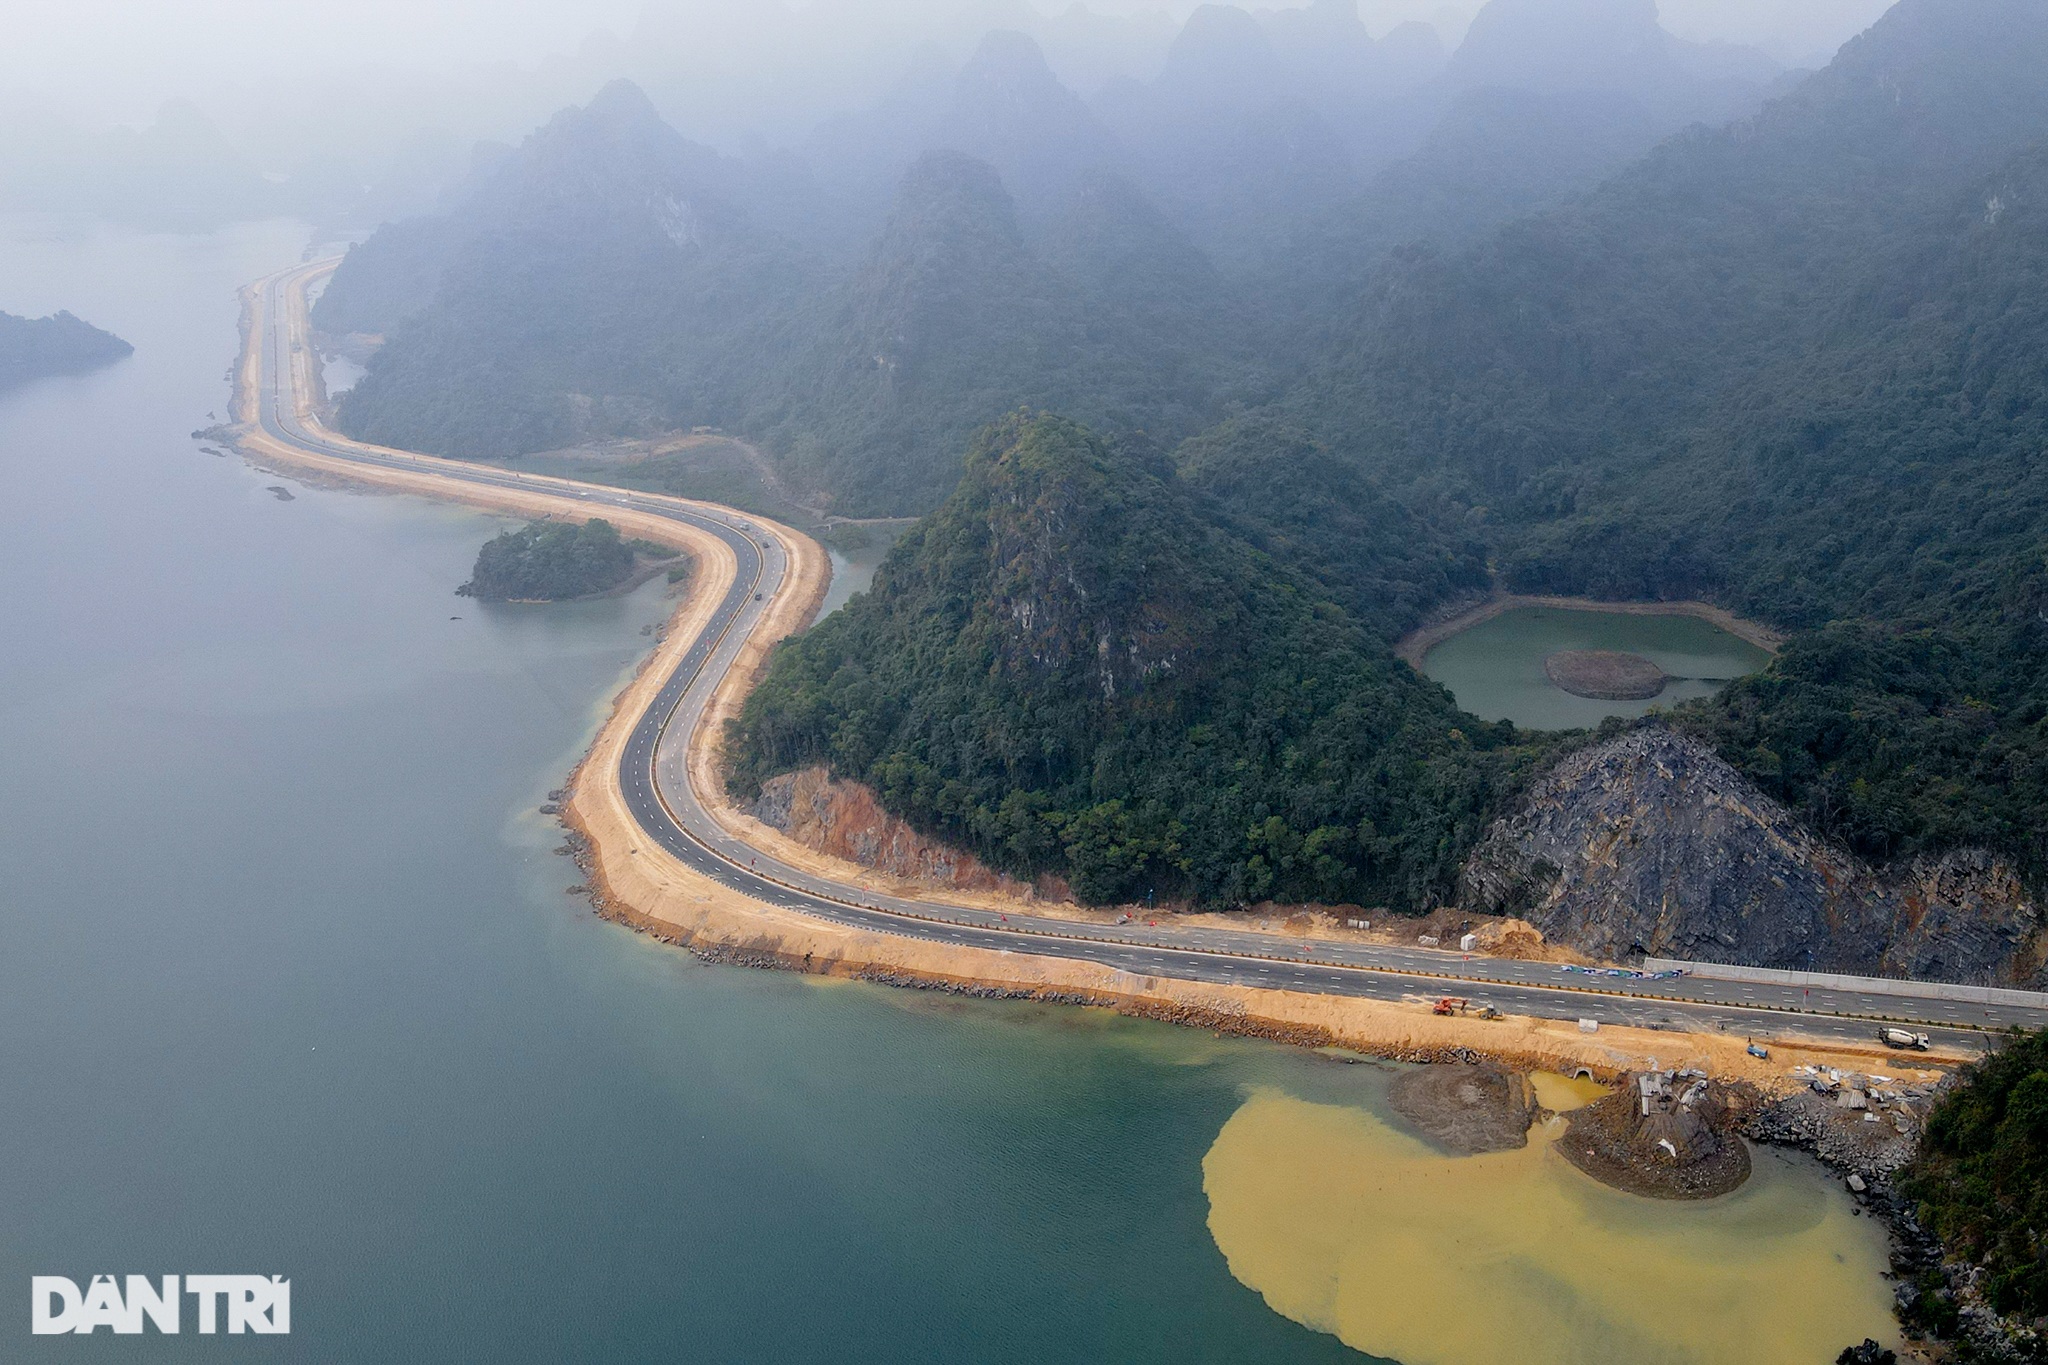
655,776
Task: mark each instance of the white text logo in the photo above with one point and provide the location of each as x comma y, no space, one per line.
246,1303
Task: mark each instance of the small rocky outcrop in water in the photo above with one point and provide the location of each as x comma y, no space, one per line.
1668,1135
1651,843
1466,1109
1604,674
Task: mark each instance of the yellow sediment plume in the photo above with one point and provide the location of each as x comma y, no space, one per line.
1562,1094
1351,1227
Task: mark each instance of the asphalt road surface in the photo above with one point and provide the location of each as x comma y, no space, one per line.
653,775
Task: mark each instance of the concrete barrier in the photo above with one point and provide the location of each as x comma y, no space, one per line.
1869,985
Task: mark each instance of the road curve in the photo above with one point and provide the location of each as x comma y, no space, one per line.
654,778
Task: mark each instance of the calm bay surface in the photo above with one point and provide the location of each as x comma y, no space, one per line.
289,983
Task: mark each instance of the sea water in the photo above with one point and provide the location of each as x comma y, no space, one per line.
290,982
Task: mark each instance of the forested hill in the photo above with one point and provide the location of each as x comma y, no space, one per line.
1799,366
1691,380
953,319
548,562
605,281
62,344
601,280
1153,258
1072,667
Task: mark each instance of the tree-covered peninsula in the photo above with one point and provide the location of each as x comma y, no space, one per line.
31,348
550,561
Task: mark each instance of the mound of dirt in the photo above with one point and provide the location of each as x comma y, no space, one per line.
1466,1110
1662,1134
1604,674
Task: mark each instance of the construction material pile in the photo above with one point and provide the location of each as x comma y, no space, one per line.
1665,1134
1466,1110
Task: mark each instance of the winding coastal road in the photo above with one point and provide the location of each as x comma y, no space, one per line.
654,777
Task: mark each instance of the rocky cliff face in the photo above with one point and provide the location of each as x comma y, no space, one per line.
844,820
1650,843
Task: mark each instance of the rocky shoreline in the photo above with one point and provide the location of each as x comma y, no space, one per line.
1939,1302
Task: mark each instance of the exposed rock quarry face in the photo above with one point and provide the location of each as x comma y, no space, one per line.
844,820
1650,843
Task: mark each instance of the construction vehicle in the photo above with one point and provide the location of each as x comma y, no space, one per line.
1458,1004
1902,1039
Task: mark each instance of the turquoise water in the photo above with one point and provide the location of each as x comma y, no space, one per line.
1495,669
289,984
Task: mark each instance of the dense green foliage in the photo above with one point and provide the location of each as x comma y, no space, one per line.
1980,1178
33,347
549,561
954,319
1797,365
1800,367
1069,667
603,282
1285,493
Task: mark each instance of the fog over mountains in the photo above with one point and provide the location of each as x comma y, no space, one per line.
1353,314
991,238
373,119
1578,307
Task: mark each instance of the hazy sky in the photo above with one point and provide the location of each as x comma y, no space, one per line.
121,57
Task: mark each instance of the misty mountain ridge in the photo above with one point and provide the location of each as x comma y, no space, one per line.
1226,176
1795,366
177,173
599,283
1004,106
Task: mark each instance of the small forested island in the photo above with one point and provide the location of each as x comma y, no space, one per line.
31,348
550,562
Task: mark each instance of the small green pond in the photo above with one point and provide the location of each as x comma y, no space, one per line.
1495,669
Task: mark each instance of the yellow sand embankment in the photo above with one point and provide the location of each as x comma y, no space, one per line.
641,884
